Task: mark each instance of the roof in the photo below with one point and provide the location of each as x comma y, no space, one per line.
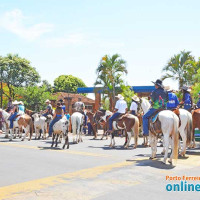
75,97
136,89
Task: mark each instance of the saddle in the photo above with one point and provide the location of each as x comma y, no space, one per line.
154,123
115,122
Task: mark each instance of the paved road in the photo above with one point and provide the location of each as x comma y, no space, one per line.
32,170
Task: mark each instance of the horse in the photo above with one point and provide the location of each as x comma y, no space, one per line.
185,128
167,123
21,122
77,126
129,123
92,119
101,118
195,123
60,129
39,124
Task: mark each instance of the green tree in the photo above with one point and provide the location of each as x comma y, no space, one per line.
196,86
68,83
127,94
34,97
182,68
110,74
17,72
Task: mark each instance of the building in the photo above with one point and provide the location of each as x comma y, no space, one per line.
70,99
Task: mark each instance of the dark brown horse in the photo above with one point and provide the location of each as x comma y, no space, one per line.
195,123
91,117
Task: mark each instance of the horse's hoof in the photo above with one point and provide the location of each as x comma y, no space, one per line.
170,162
6,136
161,145
134,147
162,153
22,139
152,158
68,146
10,140
14,137
29,139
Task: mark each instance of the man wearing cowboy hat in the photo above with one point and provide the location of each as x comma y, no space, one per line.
134,105
48,109
120,108
159,98
173,101
198,103
187,99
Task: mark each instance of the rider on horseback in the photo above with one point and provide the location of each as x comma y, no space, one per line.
134,105
198,103
187,99
49,109
159,98
173,100
120,108
56,117
14,113
79,106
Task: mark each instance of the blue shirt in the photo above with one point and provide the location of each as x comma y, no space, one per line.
198,103
187,99
173,101
67,116
21,108
63,107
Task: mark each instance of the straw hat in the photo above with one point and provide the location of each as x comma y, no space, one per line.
135,98
21,102
15,102
47,101
186,88
119,96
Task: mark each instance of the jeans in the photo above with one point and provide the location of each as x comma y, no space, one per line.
11,118
145,120
114,116
89,128
56,119
45,114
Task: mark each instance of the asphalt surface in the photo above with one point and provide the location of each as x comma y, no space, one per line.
32,170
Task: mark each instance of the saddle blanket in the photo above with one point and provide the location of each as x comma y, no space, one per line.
155,118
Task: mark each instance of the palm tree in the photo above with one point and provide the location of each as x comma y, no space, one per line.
181,67
109,74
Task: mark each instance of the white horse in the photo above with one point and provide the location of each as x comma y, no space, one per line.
169,126
185,129
77,126
40,124
60,128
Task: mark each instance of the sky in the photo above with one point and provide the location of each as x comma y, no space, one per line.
70,37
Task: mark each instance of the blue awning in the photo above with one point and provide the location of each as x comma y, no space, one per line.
136,89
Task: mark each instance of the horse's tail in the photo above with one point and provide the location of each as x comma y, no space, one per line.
175,136
136,130
189,130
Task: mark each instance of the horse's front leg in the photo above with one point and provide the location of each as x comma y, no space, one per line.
153,144
183,134
57,135
11,134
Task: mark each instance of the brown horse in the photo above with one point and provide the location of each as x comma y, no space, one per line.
195,123
129,123
91,117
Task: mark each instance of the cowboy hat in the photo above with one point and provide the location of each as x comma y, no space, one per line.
21,102
15,102
168,88
47,101
158,83
135,98
119,96
186,88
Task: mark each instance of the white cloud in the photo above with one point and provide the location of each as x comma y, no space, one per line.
74,39
14,21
